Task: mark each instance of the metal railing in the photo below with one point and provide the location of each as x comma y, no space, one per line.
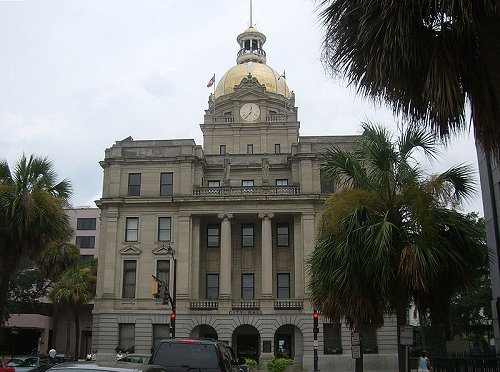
462,363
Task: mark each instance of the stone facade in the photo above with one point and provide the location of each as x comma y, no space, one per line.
239,214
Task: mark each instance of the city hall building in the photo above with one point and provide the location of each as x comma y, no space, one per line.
228,226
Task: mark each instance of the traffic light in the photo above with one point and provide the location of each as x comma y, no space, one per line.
155,290
315,322
172,324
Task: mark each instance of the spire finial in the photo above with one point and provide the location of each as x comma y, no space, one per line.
251,24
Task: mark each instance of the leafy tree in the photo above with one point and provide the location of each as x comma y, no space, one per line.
427,59
470,309
31,214
26,287
387,238
76,286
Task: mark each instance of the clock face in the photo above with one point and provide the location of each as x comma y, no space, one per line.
249,111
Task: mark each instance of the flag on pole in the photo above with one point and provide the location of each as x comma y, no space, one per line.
282,75
211,82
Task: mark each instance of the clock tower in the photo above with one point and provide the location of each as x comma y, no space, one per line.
252,109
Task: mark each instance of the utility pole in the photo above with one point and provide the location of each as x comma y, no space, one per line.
315,333
159,284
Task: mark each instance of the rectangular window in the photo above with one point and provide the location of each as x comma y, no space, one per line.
282,182
129,277
134,184
247,186
332,342
126,335
213,235
222,149
212,286
160,332
249,149
214,183
283,285
282,234
132,229
247,235
85,242
163,273
85,223
166,184
247,286
369,339
277,148
164,229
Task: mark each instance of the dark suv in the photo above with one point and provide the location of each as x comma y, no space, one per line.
187,355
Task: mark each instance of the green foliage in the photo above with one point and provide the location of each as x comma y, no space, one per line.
470,309
251,362
31,214
392,234
422,58
278,364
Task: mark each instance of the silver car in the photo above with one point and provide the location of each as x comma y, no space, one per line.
106,367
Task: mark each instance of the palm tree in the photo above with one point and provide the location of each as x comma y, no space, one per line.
31,213
75,287
389,236
55,259
427,59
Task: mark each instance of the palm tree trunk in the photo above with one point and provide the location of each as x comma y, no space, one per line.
401,320
11,261
421,319
68,334
77,331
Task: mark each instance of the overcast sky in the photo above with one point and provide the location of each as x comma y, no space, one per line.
78,75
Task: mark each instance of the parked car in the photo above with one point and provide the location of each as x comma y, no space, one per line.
4,367
136,358
35,363
15,361
186,355
101,366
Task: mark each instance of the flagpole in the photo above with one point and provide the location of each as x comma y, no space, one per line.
214,94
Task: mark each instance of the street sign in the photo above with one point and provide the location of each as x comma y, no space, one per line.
406,335
355,338
356,352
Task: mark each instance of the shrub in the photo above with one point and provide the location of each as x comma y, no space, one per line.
250,362
278,364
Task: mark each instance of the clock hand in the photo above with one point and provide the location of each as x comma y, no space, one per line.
249,112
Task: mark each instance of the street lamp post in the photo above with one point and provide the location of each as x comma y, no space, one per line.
167,298
171,252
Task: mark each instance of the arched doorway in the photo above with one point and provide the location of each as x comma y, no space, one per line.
246,340
204,331
288,342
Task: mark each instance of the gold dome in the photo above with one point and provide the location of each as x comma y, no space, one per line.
263,73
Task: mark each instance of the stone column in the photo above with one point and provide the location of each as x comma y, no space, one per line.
226,261
298,256
181,248
195,259
308,230
267,254
109,254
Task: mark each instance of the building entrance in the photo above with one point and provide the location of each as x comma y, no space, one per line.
246,342
284,342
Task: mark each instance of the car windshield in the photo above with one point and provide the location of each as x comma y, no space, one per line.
30,362
14,362
184,354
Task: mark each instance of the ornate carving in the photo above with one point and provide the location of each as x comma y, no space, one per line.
264,215
223,216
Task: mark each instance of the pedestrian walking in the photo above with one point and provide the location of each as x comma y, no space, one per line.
424,363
